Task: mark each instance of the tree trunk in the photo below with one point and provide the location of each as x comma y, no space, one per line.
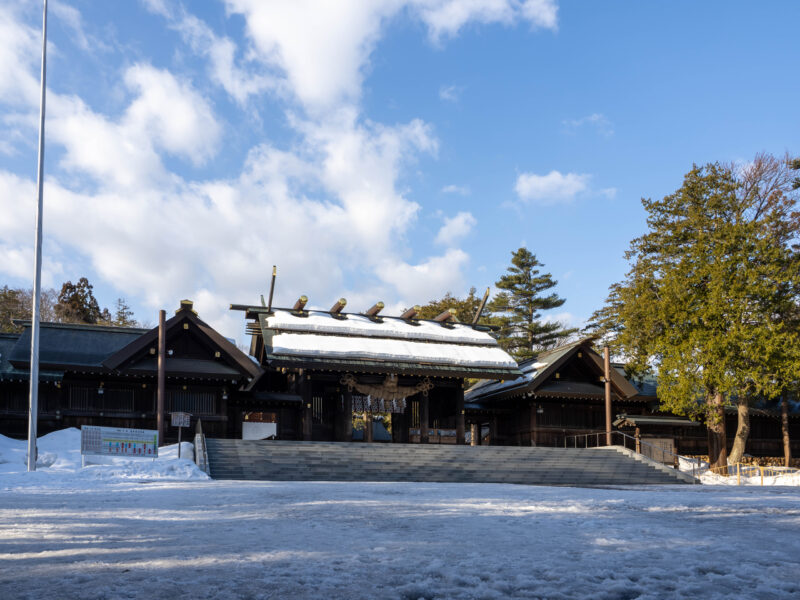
717,442
742,432
787,448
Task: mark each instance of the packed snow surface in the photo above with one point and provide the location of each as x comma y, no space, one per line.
68,535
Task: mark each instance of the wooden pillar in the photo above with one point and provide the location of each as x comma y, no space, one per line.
638,441
607,369
533,424
308,415
787,449
348,415
423,419
368,427
460,438
474,430
161,391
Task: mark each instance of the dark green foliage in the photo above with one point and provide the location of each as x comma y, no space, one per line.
518,308
465,308
77,304
711,298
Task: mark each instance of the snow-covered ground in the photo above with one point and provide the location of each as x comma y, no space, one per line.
106,532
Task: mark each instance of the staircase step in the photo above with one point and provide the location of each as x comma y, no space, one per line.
334,461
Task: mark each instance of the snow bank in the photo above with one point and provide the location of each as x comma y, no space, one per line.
59,462
752,477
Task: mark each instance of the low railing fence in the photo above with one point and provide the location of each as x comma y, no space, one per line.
749,474
598,439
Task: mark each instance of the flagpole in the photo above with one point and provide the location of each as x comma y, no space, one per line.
33,416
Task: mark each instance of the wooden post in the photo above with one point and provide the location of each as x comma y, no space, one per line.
305,387
533,424
638,441
460,438
787,448
161,393
348,415
423,419
607,369
474,431
368,434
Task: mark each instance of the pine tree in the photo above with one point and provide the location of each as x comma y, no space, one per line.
708,297
518,308
123,317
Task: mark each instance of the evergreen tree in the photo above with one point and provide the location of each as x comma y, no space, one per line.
518,308
77,304
465,308
123,316
709,296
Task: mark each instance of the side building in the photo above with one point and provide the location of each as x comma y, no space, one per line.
561,397
100,375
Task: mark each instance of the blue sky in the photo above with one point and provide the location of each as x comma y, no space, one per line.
391,151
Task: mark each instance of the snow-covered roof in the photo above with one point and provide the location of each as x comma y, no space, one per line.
340,341
537,371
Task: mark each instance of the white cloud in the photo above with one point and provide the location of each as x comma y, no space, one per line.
328,67
541,13
597,121
553,188
175,116
166,114
461,190
609,193
455,228
240,81
429,279
71,18
329,210
450,93
20,56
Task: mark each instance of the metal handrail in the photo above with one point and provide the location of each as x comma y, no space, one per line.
639,443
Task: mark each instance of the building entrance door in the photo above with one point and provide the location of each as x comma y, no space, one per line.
323,416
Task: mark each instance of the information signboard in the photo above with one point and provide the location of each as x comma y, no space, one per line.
181,419
115,441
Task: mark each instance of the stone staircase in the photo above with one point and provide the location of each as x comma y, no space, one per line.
337,461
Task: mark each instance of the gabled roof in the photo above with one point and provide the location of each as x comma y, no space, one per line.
536,377
72,346
135,357
354,342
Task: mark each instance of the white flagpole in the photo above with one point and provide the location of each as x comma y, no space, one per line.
33,416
